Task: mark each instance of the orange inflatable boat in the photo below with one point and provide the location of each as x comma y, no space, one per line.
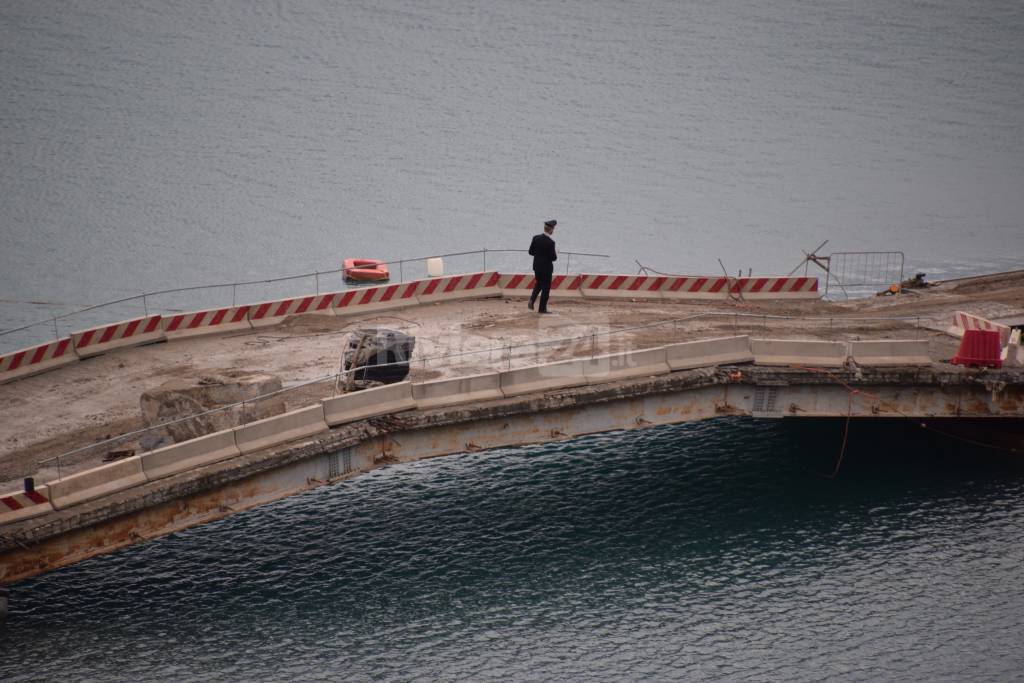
364,270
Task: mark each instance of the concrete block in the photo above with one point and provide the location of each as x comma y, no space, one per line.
683,287
709,352
453,287
132,332
97,482
163,462
446,392
616,366
889,352
271,431
521,285
271,313
210,321
19,505
806,352
785,287
359,405
622,286
36,359
380,298
561,375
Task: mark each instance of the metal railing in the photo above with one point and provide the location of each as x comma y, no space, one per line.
215,294
863,269
576,346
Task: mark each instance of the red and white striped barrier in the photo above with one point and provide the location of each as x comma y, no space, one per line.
20,505
453,287
381,297
695,287
273,312
125,333
521,284
36,359
966,321
211,321
775,287
622,286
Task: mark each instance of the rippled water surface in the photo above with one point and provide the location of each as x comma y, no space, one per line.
704,551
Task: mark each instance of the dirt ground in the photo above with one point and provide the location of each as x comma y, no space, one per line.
78,405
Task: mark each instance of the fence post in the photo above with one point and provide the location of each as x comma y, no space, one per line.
316,275
145,305
568,260
401,273
234,289
56,334
484,252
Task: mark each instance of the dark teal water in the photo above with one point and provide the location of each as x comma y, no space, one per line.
708,551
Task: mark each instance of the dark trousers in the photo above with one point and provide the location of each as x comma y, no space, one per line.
543,288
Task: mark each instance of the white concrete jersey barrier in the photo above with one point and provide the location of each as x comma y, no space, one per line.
709,352
775,287
626,365
97,482
622,286
35,359
454,287
132,332
360,405
968,321
800,352
274,312
163,462
521,284
561,375
446,392
382,297
297,424
890,352
1013,354
20,505
210,321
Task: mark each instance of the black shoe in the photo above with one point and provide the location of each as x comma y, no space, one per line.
544,312
530,305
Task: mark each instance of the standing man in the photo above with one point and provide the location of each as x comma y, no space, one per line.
542,249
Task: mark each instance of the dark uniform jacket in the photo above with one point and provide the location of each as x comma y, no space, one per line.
542,249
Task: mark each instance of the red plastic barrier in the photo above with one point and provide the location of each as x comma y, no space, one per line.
979,348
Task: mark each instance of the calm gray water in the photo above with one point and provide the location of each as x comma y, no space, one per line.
699,552
151,145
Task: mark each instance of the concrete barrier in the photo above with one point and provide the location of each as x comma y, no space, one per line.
709,352
36,359
132,332
616,366
20,505
561,375
695,287
889,352
359,405
622,286
775,287
968,321
453,287
97,482
446,392
210,321
274,312
187,455
382,297
521,284
271,431
805,352
1013,353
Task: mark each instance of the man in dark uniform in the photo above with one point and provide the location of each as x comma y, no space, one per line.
542,249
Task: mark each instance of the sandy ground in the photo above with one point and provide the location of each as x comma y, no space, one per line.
86,402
